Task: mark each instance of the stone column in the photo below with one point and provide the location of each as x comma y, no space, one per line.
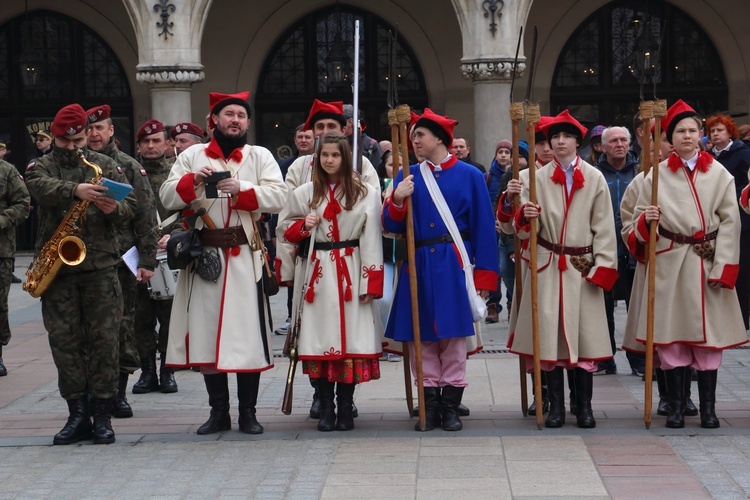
489,31
169,34
492,82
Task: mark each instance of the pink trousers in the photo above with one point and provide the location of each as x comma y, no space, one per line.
443,362
548,366
700,358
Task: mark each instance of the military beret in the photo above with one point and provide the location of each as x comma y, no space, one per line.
148,128
186,128
70,120
98,113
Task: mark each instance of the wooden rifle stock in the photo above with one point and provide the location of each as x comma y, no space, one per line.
291,352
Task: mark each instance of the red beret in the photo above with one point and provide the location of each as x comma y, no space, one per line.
70,120
564,122
677,112
539,134
218,101
148,128
320,110
98,113
441,126
186,128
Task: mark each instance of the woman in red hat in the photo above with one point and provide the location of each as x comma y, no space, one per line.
697,262
577,261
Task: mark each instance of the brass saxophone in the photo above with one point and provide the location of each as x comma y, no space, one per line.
64,246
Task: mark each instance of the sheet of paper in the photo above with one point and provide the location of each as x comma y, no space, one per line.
130,258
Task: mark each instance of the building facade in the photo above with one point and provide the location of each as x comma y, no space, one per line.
160,58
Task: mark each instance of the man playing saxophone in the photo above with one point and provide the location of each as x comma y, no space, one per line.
82,306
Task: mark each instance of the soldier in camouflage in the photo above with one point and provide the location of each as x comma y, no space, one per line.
14,209
82,307
152,145
140,232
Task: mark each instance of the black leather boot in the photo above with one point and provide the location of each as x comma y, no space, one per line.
707,394
450,398
167,383
103,433
247,393
218,399
556,393
78,426
327,421
120,406
432,409
345,403
545,397
584,391
676,395
690,409
148,380
3,370
572,390
315,407
463,411
661,384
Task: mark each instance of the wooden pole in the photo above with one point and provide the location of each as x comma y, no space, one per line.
393,122
533,115
516,115
403,113
660,110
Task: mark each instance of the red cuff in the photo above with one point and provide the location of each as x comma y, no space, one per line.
485,280
375,279
744,196
246,200
643,228
398,214
186,187
296,233
521,223
503,216
604,277
728,276
636,248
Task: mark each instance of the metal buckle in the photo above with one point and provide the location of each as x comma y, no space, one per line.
446,238
558,248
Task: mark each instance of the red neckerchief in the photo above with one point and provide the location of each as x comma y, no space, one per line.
213,150
333,208
558,176
674,162
445,165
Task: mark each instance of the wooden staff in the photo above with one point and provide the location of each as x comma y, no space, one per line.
660,110
516,115
647,113
393,122
403,114
533,115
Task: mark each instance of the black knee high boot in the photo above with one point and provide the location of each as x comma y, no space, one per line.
676,394
327,421
661,384
584,383
690,408
556,393
545,398
572,389
247,393
707,393
218,398
345,403
450,398
432,409
315,407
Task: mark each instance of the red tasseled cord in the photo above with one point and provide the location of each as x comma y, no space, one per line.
562,263
348,294
310,295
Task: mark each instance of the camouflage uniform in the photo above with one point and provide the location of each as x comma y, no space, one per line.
141,233
147,310
14,209
82,307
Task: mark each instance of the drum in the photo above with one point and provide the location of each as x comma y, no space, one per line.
163,283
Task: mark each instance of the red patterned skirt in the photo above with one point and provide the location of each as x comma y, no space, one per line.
345,371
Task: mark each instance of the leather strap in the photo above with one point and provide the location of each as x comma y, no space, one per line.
562,249
690,240
223,238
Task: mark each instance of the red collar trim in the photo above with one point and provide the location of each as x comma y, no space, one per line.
445,165
558,174
213,150
674,162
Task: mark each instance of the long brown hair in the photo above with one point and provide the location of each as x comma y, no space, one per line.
351,188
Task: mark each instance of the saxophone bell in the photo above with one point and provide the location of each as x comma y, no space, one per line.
72,250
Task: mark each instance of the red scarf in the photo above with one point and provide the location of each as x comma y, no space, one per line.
558,175
213,150
674,162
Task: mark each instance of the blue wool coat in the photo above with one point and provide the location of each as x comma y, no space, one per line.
444,310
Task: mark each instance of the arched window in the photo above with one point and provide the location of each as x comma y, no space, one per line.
600,69
296,71
49,60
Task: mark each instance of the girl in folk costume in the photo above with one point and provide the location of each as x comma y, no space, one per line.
577,261
697,255
445,315
220,325
339,344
